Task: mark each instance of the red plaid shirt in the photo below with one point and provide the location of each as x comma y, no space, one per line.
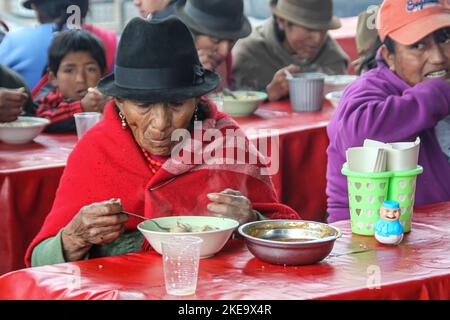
55,108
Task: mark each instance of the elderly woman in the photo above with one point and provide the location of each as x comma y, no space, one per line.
405,96
127,162
216,25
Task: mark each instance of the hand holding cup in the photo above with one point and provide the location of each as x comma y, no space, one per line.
279,86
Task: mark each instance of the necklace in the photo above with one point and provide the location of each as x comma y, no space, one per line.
154,165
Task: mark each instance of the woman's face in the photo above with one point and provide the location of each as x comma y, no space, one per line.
303,42
220,48
152,124
426,59
146,7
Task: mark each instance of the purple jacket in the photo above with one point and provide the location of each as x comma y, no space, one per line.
381,106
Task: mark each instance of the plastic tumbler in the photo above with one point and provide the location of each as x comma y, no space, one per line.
402,188
367,191
306,91
217,99
85,120
366,194
181,256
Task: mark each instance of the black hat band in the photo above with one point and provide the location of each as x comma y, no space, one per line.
209,21
154,79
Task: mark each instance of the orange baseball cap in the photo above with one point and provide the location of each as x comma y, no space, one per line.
408,21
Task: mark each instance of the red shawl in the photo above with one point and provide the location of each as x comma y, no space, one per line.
107,163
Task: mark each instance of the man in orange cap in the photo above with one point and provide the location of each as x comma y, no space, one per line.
414,30
405,96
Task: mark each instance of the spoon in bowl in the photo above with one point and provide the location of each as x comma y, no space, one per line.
228,92
147,219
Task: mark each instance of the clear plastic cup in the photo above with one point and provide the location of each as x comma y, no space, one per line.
306,91
85,120
217,99
181,256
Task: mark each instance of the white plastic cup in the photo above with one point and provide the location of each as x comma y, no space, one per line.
306,91
181,257
85,120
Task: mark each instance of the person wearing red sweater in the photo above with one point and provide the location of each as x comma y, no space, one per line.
76,63
131,161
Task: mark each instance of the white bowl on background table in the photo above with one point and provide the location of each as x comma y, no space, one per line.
23,130
334,97
246,103
338,82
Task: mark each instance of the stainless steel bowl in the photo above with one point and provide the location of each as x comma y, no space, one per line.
289,242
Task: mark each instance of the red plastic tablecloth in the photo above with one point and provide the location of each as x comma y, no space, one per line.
301,180
358,268
29,174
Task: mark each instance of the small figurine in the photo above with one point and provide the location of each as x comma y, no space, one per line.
388,229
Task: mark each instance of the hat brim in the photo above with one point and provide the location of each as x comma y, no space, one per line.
108,87
27,4
334,23
245,30
419,29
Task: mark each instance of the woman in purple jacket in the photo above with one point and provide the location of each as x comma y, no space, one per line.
405,96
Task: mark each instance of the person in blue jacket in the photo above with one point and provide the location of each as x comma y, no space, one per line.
25,50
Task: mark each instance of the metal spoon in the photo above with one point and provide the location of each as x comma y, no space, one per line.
228,92
147,219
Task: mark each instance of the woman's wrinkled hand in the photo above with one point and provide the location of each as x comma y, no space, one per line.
279,86
231,204
11,103
95,224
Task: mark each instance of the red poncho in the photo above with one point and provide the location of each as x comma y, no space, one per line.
107,163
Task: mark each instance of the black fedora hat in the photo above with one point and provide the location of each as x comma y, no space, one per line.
223,19
157,61
27,3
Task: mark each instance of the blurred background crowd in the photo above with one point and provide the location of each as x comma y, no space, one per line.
114,14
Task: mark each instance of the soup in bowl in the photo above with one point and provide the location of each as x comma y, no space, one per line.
214,231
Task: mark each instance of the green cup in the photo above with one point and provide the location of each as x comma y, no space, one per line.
366,193
402,188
